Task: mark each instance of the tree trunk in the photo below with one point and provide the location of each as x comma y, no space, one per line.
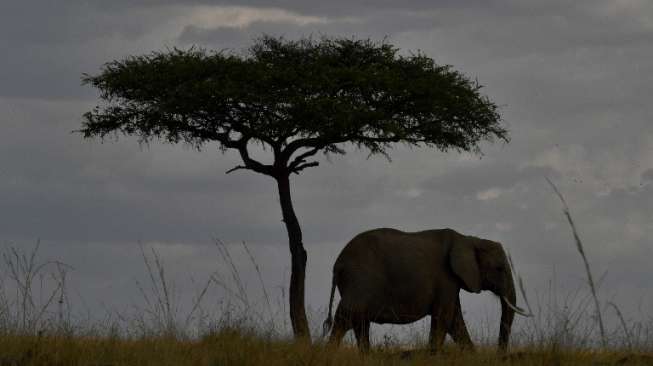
297,258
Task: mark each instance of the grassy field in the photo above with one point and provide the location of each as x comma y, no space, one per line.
229,347
39,327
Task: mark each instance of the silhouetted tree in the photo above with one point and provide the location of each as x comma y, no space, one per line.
298,98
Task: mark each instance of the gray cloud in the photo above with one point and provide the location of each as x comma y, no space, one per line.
469,181
647,176
376,25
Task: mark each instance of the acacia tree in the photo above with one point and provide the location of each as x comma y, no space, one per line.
297,98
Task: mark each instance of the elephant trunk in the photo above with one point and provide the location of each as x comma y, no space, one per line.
507,313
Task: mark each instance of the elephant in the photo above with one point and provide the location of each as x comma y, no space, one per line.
390,276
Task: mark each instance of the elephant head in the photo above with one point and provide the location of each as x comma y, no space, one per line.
482,264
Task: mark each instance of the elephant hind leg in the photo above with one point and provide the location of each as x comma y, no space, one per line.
342,322
441,323
362,331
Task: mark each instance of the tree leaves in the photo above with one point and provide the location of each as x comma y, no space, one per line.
309,94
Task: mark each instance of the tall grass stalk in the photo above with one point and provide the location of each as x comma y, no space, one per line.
260,277
234,285
627,335
162,303
228,260
581,250
38,286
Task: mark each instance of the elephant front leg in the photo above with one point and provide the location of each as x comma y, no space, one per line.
458,329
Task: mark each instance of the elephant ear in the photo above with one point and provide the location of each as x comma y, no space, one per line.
464,264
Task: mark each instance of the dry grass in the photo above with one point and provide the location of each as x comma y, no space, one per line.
233,347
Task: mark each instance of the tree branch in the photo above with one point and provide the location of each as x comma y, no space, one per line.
301,167
241,146
251,164
239,167
302,158
318,143
321,142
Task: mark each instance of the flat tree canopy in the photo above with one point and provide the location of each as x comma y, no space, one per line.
298,98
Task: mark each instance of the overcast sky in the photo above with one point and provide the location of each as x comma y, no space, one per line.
573,80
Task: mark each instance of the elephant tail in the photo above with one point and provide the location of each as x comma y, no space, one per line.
329,320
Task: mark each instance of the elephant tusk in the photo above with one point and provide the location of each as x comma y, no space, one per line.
517,310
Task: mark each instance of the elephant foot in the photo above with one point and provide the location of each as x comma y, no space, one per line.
467,348
513,357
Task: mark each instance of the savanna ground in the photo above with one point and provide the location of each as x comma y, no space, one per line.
38,326
237,347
